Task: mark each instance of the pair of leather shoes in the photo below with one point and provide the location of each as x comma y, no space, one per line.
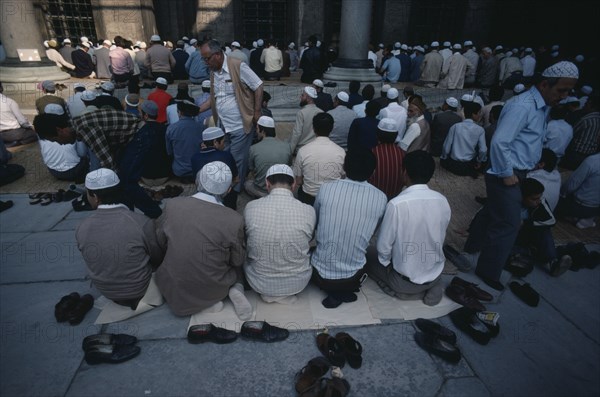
109,348
473,289
263,332
209,333
525,293
311,373
340,349
465,295
438,340
518,266
351,348
466,320
325,387
73,308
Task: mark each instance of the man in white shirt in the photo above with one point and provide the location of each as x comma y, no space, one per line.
278,230
528,63
473,58
395,111
409,260
56,57
15,129
238,53
272,58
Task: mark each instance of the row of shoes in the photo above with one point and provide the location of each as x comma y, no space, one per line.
582,257
81,204
253,330
480,326
310,381
46,198
73,308
468,294
109,348
168,191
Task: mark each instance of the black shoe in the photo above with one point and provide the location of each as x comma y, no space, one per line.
495,284
560,266
84,305
263,331
518,266
65,306
438,330
525,293
107,339
459,294
473,290
467,321
209,333
456,258
4,205
481,200
432,344
113,354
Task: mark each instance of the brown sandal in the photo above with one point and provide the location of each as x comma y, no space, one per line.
311,373
352,349
336,387
331,349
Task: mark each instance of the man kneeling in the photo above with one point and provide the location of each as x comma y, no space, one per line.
118,245
411,237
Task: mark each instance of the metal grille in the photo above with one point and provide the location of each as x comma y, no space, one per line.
436,20
71,18
264,19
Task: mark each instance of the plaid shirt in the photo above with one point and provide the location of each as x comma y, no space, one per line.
106,132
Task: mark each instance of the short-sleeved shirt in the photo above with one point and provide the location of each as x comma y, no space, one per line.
263,155
317,162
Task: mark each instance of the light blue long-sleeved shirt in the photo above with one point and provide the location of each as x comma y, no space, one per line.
465,140
517,142
584,183
183,140
393,68
197,68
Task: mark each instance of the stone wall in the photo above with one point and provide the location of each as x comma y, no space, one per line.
215,18
132,19
395,24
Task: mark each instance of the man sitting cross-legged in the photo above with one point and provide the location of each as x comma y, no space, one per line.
278,228
409,260
118,245
348,211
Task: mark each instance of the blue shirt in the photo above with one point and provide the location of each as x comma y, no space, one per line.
197,68
363,133
347,214
205,96
210,154
517,142
462,141
392,66
584,183
183,140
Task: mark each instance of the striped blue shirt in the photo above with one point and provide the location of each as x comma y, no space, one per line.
348,213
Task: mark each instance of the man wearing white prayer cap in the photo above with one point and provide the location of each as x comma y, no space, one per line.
303,131
454,70
441,123
342,119
431,67
473,58
446,52
237,52
124,279
528,62
515,149
324,101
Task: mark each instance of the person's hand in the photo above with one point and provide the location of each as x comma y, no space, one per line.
510,180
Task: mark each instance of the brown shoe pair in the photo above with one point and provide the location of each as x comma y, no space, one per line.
311,383
340,349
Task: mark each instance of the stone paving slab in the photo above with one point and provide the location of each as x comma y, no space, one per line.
24,217
9,239
39,356
159,323
464,387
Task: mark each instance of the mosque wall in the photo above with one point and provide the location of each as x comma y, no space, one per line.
132,19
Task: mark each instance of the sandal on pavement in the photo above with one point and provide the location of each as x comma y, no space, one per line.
352,349
331,349
311,373
336,387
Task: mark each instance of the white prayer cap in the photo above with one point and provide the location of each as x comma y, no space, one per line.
54,108
472,98
342,96
528,50
212,133
266,121
67,40
562,69
487,50
435,44
102,178
107,86
498,47
235,44
260,42
149,107
155,38
397,44
519,88
555,47
193,41
515,51
419,48
452,102
467,43
381,45
579,58
404,47
318,83
84,39
392,93
86,44
310,91
509,54
277,169
385,88
161,80
254,44
388,125
446,44
306,44
318,43
457,46
143,45
566,101
292,45
554,54
134,100
107,42
185,38
586,89
214,177
112,47
206,84
88,95
46,44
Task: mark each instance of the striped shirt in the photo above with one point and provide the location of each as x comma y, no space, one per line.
388,172
347,214
586,134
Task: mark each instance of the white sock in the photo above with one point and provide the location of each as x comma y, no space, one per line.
284,300
242,306
217,307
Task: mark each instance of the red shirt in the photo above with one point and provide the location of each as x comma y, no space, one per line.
162,99
388,173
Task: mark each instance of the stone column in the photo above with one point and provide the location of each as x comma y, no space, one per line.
353,63
20,23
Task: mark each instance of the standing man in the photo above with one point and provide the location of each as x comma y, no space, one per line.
487,73
310,62
431,66
473,58
159,60
516,148
181,58
454,70
236,99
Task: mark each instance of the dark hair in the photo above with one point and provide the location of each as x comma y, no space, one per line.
270,132
45,124
559,112
419,166
594,101
79,89
372,109
368,92
111,195
386,136
530,187
470,109
354,86
549,159
359,164
312,39
188,110
266,96
322,124
495,112
212,142
280,179
408,90
496,93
